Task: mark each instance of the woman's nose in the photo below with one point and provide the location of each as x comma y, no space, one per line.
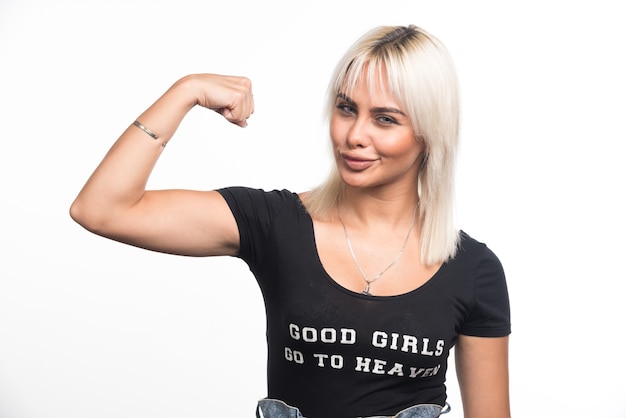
357,133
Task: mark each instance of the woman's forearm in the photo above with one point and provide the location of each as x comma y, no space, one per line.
120,179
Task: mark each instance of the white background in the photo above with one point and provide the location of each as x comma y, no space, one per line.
93,328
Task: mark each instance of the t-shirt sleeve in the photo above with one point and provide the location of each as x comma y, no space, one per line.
490,314
254,211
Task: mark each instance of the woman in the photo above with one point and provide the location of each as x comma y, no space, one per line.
367,284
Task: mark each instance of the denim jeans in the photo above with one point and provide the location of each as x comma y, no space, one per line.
272,408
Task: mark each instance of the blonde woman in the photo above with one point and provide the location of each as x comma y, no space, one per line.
366,281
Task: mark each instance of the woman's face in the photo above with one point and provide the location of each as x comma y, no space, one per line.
373,141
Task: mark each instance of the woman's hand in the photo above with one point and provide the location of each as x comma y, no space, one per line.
229,96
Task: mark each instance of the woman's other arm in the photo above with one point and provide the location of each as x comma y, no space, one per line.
482,367
114,203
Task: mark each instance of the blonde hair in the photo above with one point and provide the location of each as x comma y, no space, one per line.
421,75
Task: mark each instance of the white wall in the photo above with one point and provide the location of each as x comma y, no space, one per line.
92,328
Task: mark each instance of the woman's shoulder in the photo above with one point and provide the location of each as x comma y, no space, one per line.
490,310
252,193
473,250
468,242
259,199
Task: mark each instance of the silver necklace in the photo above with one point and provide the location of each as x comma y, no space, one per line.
368,282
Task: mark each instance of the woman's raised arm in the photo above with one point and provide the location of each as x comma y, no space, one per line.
114,202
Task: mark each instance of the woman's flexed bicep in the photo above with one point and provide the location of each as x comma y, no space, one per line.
183,222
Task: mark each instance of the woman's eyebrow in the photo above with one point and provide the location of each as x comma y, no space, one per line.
387,110
345,97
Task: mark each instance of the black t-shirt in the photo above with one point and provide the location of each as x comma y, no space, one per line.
333,352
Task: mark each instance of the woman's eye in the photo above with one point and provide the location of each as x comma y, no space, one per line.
346,108
386,120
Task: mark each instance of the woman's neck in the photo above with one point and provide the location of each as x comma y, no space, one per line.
367,207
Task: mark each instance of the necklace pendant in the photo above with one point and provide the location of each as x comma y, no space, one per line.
366,291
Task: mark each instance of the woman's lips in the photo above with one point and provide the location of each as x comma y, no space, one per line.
357,163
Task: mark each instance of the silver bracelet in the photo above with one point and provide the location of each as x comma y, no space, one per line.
146,130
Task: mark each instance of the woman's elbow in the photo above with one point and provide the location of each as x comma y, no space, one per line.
87,216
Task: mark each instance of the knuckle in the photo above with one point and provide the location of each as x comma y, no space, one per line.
246,81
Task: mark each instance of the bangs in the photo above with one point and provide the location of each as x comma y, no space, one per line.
376,72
